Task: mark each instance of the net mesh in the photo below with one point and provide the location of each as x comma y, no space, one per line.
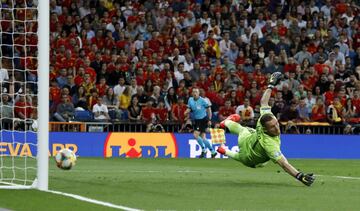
18,81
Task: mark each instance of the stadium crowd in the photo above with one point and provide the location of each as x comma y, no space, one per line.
139,60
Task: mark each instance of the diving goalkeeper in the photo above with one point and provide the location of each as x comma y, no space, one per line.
258,146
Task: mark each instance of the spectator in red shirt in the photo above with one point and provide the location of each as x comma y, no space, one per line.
162,114
54,91
356,101
148,113
318,113
23,109
79,78
226,110
102,87
330,94
178,111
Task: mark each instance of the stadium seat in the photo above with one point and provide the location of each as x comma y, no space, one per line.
83,116
112,114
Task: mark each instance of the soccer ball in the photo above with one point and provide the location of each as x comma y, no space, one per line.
65,159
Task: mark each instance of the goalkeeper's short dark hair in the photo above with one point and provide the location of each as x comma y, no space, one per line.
265,118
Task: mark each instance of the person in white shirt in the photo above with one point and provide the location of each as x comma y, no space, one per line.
188,64
246,36
139,42
338,54
255,29
111,26
133,86
331,61
260,22
190,19
313,7
326,9
4,75
343,47
85,9
348,15
225,43
287,21
57,9
179,73
274,20
100,111
205,18
176,56
119,89
127,9
310,101
301,8
204,32
301,22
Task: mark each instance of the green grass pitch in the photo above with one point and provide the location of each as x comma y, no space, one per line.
193,184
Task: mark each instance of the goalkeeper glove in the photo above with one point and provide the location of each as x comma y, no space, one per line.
274,79
306,179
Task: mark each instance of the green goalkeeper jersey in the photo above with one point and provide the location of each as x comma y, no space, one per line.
258,147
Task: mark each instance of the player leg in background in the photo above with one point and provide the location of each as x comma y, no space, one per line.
208,145
200,141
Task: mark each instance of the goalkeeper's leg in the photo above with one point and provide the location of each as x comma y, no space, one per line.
242,132
236,128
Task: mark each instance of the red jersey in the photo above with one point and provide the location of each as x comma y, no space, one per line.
203,85
23,107
121,44
225,112
356,103
109,43
78,80
329,97
318,113
319,68
55,93
91,72
179,111
290,68
162,114
101,89
147,113
99,42
154,44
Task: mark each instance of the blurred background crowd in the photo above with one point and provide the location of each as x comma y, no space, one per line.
114,60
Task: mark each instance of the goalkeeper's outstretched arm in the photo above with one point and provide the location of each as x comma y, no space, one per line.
265,97
283,162
274,80
306,179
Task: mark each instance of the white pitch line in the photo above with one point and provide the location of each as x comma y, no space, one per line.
94,201
339,177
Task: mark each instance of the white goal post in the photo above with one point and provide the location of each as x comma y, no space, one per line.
43,105
22,135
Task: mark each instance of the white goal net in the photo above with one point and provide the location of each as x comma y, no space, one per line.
19,90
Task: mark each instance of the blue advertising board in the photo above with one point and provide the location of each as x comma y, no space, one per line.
168,145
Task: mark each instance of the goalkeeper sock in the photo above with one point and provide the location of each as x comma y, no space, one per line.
209,145
233,126
201,143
